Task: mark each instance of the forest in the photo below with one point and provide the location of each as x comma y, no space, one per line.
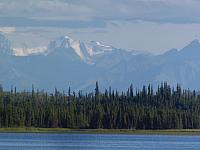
164,107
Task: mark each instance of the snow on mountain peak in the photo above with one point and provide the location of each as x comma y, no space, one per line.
84,50
99,48
100,44
61,42
66,42
67,37
29,51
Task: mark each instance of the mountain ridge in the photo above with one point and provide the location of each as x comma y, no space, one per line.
62,65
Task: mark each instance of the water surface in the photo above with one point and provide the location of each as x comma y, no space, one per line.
35,141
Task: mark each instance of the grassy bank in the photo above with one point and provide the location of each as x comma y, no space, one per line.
102,131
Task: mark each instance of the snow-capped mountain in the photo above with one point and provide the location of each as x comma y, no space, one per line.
78,47
68,62
85,51
98,48
29,51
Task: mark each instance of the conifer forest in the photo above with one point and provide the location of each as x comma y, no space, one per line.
164,108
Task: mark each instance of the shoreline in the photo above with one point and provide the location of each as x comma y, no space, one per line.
102,131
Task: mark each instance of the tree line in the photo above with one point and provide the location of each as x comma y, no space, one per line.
163,108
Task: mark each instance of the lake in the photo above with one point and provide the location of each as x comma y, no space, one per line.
35,141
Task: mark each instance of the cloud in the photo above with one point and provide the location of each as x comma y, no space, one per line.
29,22
95,13
159,11
48,13
7,30
54,9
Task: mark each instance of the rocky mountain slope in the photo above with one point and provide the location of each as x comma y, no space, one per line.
67,62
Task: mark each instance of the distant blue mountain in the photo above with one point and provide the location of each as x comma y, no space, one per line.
67,62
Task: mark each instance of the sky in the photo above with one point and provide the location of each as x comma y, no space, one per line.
147,25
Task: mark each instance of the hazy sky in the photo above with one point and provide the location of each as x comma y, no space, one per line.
151,25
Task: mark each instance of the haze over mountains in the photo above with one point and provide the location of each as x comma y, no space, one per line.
67,62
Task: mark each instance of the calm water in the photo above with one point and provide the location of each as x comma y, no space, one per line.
21,141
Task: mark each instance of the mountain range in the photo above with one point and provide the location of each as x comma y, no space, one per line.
67,62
